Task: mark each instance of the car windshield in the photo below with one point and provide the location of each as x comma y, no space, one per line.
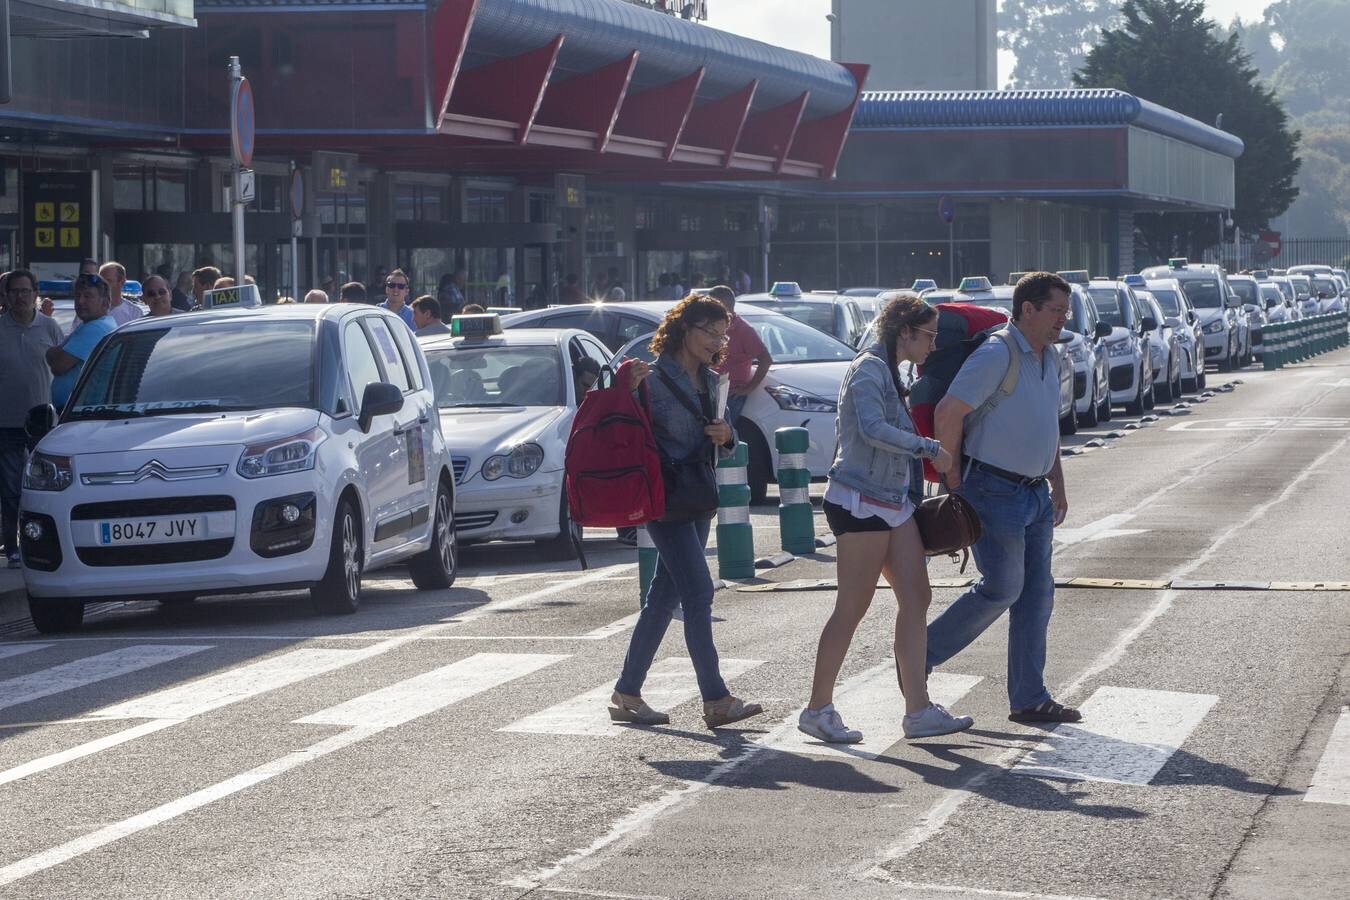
236,364
497,376
1203,294
817,315
1245,289
1108,306
1168,300
1302,289
789,341
1271,293
1326,288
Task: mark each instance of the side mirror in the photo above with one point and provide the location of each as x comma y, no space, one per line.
1065,336
1190,317
1103,330
1149,324
380,399
1233,302
39,421
1172,322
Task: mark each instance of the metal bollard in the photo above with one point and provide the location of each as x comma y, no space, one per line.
647,560
735,536
796,522
1270,347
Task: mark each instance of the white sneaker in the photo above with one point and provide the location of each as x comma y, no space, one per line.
933,721
826,724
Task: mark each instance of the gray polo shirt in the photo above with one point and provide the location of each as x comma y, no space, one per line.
1020,434
24,374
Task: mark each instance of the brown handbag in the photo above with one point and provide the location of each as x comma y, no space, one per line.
948,525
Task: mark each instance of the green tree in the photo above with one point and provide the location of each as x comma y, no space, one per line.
1166,51
1051,38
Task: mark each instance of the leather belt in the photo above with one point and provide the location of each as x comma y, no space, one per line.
1008,476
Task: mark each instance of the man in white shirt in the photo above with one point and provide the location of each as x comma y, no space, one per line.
116,275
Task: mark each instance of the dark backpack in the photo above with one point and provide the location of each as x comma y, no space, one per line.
961,328
612,468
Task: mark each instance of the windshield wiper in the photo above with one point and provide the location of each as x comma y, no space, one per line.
197,407
485,405
104,414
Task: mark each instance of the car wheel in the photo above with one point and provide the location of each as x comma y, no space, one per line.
53,614
1136,406
564,546
1068,424
1151,398
339,591
1089,418
1105,414
434,568
1164,393
760,471
1176,385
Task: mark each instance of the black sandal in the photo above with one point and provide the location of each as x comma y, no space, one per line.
1049,711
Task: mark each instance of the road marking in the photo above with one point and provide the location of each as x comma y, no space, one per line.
91,669
1331,781
871,703
1343,383
11,650
415,697
1126,737
613,628
966,891
88,748
936,817
670,682
1281,423
1099,530
395,705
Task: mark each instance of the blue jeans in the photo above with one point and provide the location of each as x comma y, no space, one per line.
681,580
735,406
1013,555
13,454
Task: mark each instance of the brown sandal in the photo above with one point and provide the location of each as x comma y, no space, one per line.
717,713
624,708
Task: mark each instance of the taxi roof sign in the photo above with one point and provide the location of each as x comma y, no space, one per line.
1014,277
785,289
476,325
1076,276
923,284
1134,280
1178,262
242,296
973,283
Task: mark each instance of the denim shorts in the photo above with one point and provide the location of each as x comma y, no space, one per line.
841,521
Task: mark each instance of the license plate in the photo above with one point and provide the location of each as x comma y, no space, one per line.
152,530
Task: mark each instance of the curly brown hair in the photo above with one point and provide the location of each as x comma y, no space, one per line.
903,310
694,311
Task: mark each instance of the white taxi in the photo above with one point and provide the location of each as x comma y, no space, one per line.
239,450
506,402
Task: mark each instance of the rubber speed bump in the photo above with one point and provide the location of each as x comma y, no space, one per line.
1310,586
1122,584
1182,584
1109,584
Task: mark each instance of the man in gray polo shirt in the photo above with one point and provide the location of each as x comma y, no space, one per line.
1011,474
25,336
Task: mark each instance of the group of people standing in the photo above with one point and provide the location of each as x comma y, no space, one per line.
1001,454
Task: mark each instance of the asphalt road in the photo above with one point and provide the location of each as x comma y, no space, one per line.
455,744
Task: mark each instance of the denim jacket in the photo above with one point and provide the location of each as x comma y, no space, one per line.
877,440
678,434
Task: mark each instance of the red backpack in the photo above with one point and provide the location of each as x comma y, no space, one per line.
612,468
961,328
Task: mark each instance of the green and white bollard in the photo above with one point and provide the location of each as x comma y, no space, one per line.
735,536
647,560
796,518
1271,341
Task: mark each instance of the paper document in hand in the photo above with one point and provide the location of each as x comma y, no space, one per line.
723,391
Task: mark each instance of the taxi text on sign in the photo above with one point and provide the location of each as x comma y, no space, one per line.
57,227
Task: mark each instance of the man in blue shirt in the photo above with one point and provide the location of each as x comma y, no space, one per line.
1012,476
396,297
92,302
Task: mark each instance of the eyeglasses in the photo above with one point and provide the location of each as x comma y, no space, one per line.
713,334
396,285
162,292
22,292
932,334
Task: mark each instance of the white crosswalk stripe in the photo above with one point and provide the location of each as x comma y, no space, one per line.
1126,736
365,716
670,682
871,703
1331,781
11,650
87,671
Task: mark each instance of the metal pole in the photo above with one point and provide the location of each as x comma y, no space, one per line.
237,205
6,45
295,251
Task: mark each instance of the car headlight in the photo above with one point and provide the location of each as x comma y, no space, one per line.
1077,356
282,456
523,461
47,473
1214,327
799,400
1119,348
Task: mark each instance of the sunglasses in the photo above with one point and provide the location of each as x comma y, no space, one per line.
396,285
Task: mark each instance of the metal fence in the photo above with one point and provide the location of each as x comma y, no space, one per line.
1297,252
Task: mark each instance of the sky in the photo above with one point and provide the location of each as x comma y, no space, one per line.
800,24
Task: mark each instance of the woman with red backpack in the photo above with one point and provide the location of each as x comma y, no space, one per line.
690,435
870,510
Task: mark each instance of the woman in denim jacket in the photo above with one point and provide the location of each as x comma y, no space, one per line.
688,343
868,508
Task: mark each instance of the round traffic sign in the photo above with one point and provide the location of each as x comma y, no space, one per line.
242,122
947,209
297,195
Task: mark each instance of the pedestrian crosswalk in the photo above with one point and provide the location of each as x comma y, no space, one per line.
1127,737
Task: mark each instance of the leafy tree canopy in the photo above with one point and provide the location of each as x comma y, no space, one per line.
1051,38
1166,51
